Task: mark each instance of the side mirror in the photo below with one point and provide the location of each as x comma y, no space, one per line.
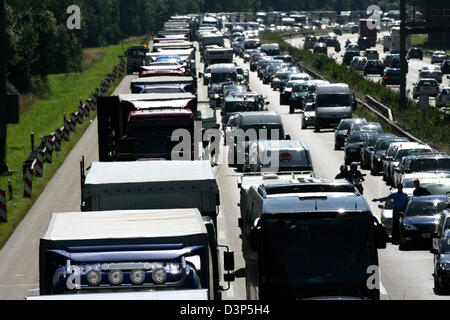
267,102
434,251
288,137
354,105
200,75
240,221
228,260
380,206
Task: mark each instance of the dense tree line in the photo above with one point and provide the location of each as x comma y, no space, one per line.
39,43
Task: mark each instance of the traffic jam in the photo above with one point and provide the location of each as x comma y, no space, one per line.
149,220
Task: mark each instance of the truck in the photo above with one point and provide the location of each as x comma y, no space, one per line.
150,185
122,254
136,57
189,84
131,128
310,240
217,54
367,34
395,41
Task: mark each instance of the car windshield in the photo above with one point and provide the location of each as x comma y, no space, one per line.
438,188
368,127
409,152
344,125
430,164
333,100
282,75
300,87
425,208
300,254
309,107
173,89
357,138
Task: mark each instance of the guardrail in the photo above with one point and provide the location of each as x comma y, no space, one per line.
384,109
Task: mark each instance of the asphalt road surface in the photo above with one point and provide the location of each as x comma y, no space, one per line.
404,274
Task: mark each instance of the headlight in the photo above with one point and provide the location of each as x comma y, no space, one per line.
276,79
409,227
378,159
115,277
216,96
137,276
94,277
159,275
306,118
445,266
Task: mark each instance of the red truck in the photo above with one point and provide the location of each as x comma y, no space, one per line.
367,34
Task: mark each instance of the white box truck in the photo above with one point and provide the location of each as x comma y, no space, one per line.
150,185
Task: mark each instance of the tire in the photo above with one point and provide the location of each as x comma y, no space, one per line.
291,109
336,147
317,128
403,245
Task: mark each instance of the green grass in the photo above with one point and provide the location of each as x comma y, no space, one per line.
435,130
44,117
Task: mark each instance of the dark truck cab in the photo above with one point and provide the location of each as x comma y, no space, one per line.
136,57
310,240
161,254
137,126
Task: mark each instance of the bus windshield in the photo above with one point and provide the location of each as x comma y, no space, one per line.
333,100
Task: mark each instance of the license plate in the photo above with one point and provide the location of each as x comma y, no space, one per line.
426,235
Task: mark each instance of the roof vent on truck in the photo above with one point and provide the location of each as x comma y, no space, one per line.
307,186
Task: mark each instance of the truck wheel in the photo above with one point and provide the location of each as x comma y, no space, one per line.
317,128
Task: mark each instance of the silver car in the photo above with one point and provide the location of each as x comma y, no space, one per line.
427,86
438,57
432,72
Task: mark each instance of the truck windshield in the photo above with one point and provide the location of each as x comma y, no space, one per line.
311,253
223,76
333,100
152,140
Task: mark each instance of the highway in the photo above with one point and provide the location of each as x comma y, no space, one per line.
414,65
404,274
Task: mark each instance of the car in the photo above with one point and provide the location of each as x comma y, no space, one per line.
331,40
337,31
368,147
355,29
387,60
358,63
310,42
379,151
432,72
420,217
371,54
395,62
434,182
373,67
441,227
388,156
365,126
309,113
391,76
425,86
290,156
441,263
280,79
443,97
299,91
421,163
445,67
352,145
438,57
320,47
254,58
352,47
340,134
403,150
414,53
349,55
286,91
287,59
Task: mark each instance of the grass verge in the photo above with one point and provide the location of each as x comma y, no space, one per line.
44,117
435,130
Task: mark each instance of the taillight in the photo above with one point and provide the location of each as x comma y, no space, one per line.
385,78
